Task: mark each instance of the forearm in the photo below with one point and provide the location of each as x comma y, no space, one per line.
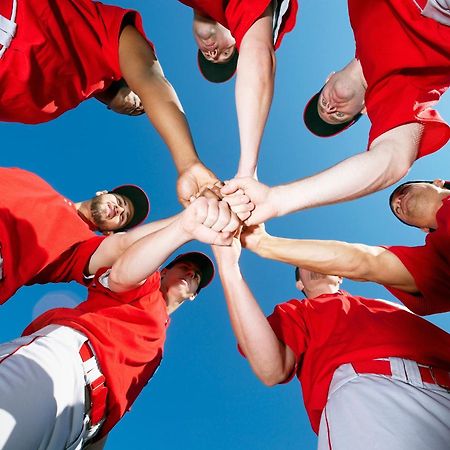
164,110
355,177
357,262
254,92
254,89
327,257
144,76
114,245
145,256
265,353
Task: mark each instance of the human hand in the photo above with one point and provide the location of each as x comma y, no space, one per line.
210,221
251,236
192,181
251,200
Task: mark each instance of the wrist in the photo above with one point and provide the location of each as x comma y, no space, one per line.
279,201
181,233
188,164
263,247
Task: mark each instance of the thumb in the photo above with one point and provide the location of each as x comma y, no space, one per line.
230,187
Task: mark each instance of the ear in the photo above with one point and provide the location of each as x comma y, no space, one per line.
100,193
192,297
163,272
426,230
299,285
439,183
364,110
341,280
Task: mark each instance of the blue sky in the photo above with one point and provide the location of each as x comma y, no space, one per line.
204,396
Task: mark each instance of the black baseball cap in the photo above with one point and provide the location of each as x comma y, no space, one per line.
140,202
203,262
217,72
401,186
319,127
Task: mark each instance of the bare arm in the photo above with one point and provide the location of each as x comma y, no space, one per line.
115,244
206,220
357,262
145,77
254,89
389,159
271,360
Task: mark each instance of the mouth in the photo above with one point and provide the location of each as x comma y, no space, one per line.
110,211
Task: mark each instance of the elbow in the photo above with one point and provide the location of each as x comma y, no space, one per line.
273,377
270,381
398,159
262,57
118,281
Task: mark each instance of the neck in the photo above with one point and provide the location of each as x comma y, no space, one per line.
172,305
321,290
84,211
354,70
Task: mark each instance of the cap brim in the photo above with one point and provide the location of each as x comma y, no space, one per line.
319,127
217,72
203,262
140,201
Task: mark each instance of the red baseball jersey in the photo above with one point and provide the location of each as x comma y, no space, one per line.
64,51
127,331
429,265
333,329
406,63
239,15
42,237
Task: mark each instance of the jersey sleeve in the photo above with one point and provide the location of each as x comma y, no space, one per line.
431,275
386,112
70,265
242,14
100,285
287,322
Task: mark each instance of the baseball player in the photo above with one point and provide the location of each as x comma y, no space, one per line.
45,237
254,29
418,276
54,55
400,72
373,374
110,344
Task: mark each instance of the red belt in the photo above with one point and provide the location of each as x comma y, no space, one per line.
96,388
431,375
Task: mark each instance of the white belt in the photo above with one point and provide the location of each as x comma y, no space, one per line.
8,28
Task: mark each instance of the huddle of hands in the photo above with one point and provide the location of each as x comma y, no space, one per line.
216,218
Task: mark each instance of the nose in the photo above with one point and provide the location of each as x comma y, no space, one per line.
119,209
327,105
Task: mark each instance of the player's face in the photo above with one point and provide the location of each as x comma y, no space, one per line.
181,281
126,102
111,211
341,99
417,204
214,41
